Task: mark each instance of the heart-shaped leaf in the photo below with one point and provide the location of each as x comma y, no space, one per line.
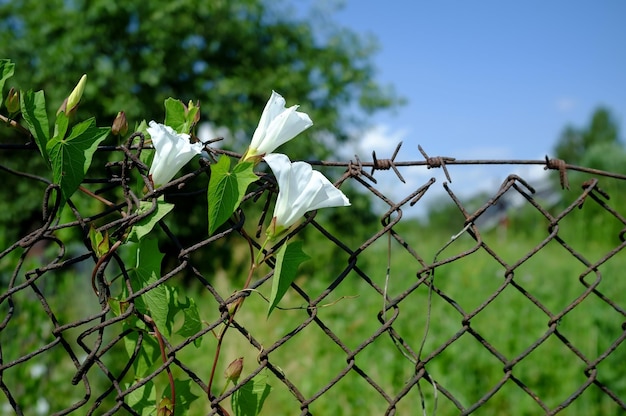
288,258
227,189
71,157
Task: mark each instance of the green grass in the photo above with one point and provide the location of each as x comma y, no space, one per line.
510,323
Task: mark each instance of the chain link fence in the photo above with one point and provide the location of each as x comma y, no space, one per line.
520,309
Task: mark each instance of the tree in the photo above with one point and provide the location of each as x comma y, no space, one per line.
574,144
229,55
570,145
598,146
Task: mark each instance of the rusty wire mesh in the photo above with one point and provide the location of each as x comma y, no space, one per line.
428,323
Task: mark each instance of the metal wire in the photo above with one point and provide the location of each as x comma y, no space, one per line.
86,342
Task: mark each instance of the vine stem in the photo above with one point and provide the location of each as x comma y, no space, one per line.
15,125
99,198
27,133
255,262
105,257
170,377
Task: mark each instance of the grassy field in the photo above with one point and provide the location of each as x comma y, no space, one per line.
510,323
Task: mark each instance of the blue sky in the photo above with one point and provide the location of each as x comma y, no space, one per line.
489,79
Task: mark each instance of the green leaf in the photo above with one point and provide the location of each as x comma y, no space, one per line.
143,227
249,399
60,126
175,115
99,242
288,258
191,317
118,307
33,106
156,301
192,112
191,323
179,117
6,71
165,407
184,396
142,400
148,354
71,157
227,189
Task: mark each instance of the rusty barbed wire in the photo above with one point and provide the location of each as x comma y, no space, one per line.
414,351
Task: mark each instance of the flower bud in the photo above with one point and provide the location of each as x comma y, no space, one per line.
233,306
13,101
75,96
196,111
165,407
63,107
120,124
233,371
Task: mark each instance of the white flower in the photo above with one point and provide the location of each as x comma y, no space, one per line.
300,189
173,151
278,125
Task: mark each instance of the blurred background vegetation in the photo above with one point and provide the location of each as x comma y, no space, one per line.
229,55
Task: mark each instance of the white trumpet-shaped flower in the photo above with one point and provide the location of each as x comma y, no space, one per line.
300,189
173,151
278,125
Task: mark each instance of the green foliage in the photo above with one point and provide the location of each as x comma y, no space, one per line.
6,71
147,271
227,54
249,399
288,259
146,224
227,189
191,318
184,397
179,117
164,307
99,242
161,312
143,399
235,90
33,106
597,145
71,156
602,128
574,143
161,302
148,353
444,215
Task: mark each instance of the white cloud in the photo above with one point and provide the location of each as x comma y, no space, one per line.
532,173
467,180
491,152
379,138
565,104
209,131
